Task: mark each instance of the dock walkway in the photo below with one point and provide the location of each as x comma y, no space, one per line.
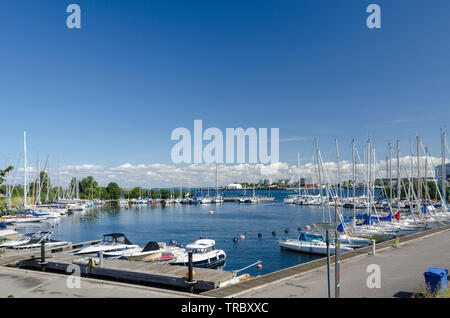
401,270
139,272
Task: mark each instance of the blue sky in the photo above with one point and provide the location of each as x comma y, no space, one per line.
112,92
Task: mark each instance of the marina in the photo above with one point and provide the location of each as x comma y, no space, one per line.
220,241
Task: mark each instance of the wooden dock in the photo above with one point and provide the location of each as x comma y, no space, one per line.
12,257
137,272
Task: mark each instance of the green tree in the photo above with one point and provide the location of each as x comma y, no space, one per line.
113,190
88,186
4,172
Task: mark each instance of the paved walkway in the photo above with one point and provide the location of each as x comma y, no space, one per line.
401,272
27,283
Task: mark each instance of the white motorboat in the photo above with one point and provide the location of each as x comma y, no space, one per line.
204,255
4,231
37,239
151,252
311,244
23,218
24,239
114,242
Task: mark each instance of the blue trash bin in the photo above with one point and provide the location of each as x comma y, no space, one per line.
436,279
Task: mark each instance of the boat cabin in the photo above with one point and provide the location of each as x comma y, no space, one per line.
201,246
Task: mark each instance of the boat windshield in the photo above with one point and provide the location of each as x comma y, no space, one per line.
198,250
307,237
23,238
111,239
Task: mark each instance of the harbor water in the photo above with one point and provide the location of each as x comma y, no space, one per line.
187,223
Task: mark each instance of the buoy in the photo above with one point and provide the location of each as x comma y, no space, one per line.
242,237
274,233
314,225
235,239
259,235
211,212
259,266
308,228
286,230
299,229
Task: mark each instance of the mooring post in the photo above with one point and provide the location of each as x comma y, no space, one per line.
328,263
43,262
101,259
190,271
373,247
337,266
191,266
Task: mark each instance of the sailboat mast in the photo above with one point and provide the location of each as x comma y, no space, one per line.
399,193
338,169
38,193
298,172
419,183
47,177
354,179
57,176
390,172
443,167
426,174
217,184
24,169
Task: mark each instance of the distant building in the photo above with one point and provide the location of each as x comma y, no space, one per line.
266,181
234,186
440,170
307,182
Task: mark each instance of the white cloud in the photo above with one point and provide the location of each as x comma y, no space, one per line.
164,175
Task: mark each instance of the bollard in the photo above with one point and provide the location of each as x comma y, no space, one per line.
373,247
43,262
101,259
327,239
397,241
190,272
190,267
337,268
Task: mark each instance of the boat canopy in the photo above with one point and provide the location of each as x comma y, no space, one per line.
151,246
116,237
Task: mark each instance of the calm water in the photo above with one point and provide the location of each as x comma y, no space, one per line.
186,223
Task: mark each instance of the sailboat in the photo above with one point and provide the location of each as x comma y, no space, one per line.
218,199
254,199
207,199
244,198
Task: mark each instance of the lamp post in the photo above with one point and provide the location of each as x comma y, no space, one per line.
327,227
